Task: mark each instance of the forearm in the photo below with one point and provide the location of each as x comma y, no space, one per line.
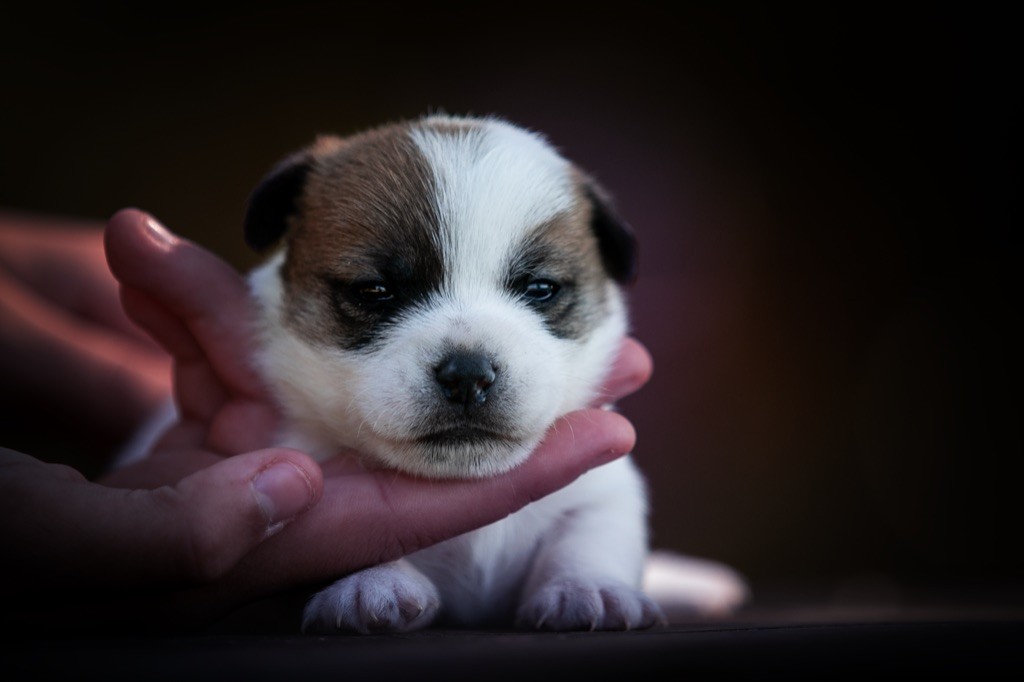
102,378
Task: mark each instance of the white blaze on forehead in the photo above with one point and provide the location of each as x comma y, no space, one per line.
494,183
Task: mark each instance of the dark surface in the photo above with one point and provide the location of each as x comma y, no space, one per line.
786,633
964,647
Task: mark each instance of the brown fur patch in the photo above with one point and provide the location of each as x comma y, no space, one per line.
565,250
366,214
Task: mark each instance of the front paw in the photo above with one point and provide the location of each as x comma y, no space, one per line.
570,603
389,598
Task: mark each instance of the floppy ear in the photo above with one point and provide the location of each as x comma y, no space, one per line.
615,238
274,200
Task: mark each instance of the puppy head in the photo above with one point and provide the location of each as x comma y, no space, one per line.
445,289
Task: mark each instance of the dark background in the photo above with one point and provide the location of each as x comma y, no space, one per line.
823,199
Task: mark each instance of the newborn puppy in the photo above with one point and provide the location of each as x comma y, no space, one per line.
444,290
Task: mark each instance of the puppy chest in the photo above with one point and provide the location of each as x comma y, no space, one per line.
480,574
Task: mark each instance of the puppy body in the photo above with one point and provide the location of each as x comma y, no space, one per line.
446,289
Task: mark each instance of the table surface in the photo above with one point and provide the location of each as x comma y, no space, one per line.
772,639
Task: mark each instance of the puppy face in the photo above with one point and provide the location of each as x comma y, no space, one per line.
445,290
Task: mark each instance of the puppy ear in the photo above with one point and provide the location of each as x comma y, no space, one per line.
615,238
274,200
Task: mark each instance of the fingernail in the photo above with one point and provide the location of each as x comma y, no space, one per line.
282,492
159,233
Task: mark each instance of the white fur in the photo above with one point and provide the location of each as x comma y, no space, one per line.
494,182
572,560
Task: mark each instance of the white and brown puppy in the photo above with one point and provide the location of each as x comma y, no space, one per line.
444,291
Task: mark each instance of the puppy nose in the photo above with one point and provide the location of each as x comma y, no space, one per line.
465,377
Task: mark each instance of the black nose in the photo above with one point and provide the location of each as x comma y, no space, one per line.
465,377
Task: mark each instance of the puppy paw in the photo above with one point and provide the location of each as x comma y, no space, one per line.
389,598
569,603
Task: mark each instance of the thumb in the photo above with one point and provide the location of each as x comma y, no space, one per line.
52,518
221,513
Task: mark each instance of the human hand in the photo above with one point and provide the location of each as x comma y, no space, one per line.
63,334
201,535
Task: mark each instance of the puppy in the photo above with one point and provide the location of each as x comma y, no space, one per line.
444,290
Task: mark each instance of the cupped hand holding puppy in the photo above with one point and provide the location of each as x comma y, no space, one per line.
215,518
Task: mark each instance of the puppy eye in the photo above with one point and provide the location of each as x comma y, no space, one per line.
372,292
540,290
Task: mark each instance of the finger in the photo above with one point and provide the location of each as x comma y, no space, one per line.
204,292
199,309
198,389
193,532
241,501
235,424
200,383
631,370
162,326
175,456
574,445
368,518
